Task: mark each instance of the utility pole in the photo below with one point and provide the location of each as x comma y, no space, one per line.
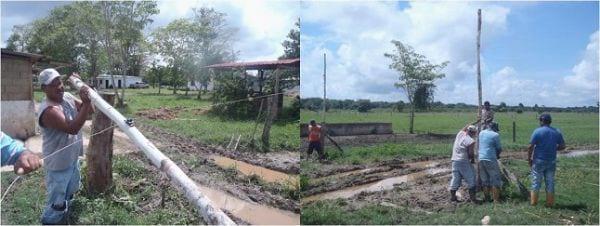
324,87
476,152
323,126
478,59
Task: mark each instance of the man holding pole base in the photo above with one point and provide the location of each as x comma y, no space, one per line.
462,157
61,117
314,139
541,154
489,170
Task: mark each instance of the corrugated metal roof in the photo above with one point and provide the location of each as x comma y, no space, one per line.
258,65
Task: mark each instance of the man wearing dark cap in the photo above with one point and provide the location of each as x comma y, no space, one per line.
487,115
545,142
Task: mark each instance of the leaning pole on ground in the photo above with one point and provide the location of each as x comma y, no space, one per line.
208,211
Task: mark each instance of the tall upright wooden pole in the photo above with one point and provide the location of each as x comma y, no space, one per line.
478,59
324,87
479,93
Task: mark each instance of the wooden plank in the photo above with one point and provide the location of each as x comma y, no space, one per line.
513,180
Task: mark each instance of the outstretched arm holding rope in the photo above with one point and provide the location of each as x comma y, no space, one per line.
14,153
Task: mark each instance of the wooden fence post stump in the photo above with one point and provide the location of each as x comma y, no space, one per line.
100,151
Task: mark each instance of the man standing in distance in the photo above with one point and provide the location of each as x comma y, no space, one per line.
541,155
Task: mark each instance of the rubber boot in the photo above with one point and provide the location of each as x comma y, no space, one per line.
549,199
473,196
453,196
533,197
496,194
486,194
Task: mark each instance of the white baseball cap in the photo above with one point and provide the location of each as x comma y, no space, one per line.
47,75
472,128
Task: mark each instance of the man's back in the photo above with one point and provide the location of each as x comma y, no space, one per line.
546,140
489,145
461,144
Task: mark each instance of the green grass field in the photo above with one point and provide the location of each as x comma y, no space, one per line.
576,203
579,129
135,199
202,127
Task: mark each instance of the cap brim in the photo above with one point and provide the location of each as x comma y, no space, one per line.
52,79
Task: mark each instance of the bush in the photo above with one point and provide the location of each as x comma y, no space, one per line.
230,88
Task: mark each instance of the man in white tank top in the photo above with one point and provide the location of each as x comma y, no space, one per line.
61,117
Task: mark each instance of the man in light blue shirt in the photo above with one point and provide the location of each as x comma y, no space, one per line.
489,171
541,154
13,153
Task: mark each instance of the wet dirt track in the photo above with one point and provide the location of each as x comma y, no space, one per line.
231,188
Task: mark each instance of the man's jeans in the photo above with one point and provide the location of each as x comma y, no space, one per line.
462,170
543,169
60,187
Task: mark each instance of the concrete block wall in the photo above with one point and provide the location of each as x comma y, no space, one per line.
351,129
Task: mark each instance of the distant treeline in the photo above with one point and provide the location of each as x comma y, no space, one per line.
362,105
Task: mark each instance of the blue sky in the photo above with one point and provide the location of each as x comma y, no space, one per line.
542,53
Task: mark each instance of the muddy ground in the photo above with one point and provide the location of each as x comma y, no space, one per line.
283,161
421,184
366,140
193,158
162,113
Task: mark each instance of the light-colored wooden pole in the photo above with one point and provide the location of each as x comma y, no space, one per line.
208,211
476,152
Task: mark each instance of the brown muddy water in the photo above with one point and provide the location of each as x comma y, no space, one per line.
265,174
578,153
385,184
248,211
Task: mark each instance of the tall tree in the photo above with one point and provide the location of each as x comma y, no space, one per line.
292,44
175,43
19,39
423,96
123,23
414,71
213,37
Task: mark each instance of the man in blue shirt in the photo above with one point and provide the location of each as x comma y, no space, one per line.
545,142
13,153
489,171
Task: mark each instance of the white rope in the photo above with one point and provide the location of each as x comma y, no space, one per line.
8,189
55,152
64,148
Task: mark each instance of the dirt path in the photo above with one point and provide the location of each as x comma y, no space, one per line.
366,140
282,161
423,183
252,201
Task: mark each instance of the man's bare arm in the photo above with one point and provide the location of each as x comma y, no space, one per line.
54,118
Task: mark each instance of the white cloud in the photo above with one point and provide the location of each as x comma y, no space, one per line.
577,89
355,36
582,85
262,26
360,34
